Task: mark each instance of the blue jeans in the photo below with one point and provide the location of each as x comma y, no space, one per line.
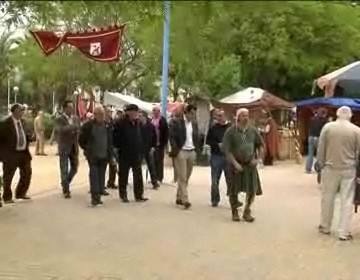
68,174
97,170
312,146
218,164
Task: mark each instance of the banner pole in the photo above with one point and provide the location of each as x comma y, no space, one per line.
165,68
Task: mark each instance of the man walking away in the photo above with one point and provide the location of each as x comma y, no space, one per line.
149,144
218,161
96,141
68,128
112,166
128,141
14,151
184,141
316,124
338,151
162,138
243,146
39,128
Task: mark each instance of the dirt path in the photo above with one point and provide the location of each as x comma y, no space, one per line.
53,238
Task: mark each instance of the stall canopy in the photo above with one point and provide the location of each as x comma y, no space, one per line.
119,100
253,98
343,81
354,104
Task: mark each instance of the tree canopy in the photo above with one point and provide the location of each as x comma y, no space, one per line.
216,47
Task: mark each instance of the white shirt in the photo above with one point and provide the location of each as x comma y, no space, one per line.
69,119
18,131
189,143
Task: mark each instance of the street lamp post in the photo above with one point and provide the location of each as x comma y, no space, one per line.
165,66
16,90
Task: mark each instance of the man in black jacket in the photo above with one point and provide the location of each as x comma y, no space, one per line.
96,141
184,141
149,145
128,141
218,162
162,138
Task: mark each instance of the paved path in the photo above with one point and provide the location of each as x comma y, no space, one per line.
53,238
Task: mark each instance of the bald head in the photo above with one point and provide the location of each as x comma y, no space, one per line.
344,113
99,114
242,116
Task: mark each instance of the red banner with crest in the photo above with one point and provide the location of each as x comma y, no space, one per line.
102,45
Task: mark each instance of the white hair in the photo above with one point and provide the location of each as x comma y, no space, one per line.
344,113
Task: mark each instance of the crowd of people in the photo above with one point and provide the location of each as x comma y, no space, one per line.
123,142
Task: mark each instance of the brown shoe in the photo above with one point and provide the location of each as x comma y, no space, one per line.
235,215
247,216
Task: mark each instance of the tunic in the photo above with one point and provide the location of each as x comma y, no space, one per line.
243,144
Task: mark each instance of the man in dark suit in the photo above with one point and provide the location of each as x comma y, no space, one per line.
162,138
128,141
96,141
14,150
68,128
149,145
184,142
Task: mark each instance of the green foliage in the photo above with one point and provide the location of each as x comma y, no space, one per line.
217,47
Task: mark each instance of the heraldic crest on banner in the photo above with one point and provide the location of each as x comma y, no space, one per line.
102,45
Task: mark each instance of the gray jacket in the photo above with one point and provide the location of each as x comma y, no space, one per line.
67,134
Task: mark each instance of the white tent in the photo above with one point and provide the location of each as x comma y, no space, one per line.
248,95
119,100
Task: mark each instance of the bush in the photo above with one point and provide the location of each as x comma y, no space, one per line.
48,121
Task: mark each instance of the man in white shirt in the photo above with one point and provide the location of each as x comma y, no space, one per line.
337,155
14,152
184,139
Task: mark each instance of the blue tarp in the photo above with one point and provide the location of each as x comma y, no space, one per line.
354,104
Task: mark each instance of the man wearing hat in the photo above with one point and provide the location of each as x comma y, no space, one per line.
128,141
14,152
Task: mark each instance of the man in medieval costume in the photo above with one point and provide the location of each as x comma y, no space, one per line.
271,141
242,145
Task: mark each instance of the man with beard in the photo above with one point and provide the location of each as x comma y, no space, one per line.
242,144
96,141
128,141
162,137
149,145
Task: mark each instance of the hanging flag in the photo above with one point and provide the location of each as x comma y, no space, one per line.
102,45
48,41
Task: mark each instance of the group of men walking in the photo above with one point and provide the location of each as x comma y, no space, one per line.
123,143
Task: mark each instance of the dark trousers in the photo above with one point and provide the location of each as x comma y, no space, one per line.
22,161
268,159
218,164
112,175
159,156
124,167
97,170
149,159
66,173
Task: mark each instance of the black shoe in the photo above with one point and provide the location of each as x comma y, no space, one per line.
125,199
112,187
141,199
179,202
67,195
235,215
156,186
214,204
0,204
187,205
10,201
104,193
25,197
96,202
